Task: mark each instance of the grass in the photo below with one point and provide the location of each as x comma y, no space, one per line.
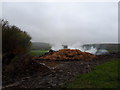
103,76
37,52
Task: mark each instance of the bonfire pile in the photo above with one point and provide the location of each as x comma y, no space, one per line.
67,54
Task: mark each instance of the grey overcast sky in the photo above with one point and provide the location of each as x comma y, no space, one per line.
65,23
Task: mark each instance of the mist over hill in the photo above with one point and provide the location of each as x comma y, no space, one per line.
104,46
40,46
107,46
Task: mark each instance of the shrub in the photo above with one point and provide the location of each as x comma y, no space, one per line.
15,42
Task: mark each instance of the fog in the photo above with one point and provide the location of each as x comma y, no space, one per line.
67,23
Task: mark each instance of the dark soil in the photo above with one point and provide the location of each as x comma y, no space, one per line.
55,75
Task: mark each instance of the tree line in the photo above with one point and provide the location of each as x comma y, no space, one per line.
15,42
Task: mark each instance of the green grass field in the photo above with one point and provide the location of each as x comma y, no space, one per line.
37,52
103,76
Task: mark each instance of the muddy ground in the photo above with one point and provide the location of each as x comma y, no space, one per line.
56,73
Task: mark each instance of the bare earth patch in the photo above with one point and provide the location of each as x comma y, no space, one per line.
59,72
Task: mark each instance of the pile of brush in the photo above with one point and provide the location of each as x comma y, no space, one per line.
67,54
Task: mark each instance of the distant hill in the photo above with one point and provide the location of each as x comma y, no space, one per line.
108,46
40,46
